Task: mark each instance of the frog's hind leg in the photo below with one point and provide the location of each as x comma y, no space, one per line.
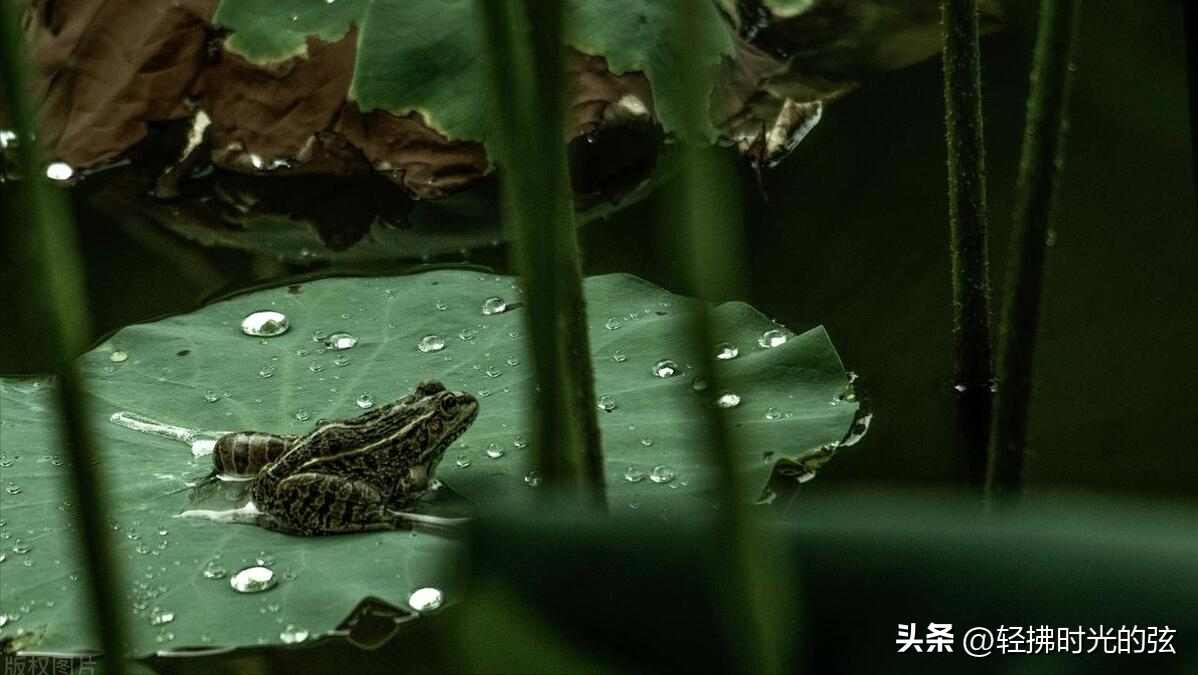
248,514
316,503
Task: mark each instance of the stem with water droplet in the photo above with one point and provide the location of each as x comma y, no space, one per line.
1035,199
43,223
974,371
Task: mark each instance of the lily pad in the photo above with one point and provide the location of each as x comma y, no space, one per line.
168,370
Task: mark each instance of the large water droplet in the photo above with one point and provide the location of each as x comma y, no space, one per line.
699,383
59,171
341,361
341,341
211,396
365,401
492,371
772,338
266,371
292,634
426,599
665,368
253,580
661,474
634,475
496,450
494,305
467,334
118,356
462,461
612,324
606,403
431,343
532,479
265,323
772,413
303,415
619,356
726,350
727,399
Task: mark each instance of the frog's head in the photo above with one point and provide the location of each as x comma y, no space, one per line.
444,416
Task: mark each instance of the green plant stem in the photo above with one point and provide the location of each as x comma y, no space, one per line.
528,99
705,217
974,372
43,223
1040,167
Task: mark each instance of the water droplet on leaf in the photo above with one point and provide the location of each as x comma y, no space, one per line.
341,341
661,474
772,338
665,368
292,634
494,305
253,580
265,323
727,399
726,350
426,599
431,343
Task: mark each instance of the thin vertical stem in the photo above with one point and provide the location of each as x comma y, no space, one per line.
524,38
1035,199
970,255
43,221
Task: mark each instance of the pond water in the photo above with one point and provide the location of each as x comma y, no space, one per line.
853,236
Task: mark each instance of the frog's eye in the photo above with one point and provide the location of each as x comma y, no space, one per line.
449,403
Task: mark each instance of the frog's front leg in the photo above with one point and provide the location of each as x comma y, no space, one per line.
318,503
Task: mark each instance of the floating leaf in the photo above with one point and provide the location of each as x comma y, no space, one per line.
200,370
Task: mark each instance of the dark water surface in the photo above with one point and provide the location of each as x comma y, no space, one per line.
854,236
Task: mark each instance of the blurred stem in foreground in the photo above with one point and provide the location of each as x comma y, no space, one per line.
705,219
524,40
1035,199
42,223
970,255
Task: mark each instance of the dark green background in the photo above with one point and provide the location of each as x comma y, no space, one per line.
853,235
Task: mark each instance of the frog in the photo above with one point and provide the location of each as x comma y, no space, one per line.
345,476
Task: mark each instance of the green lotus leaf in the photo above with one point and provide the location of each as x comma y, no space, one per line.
423,55
171,368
